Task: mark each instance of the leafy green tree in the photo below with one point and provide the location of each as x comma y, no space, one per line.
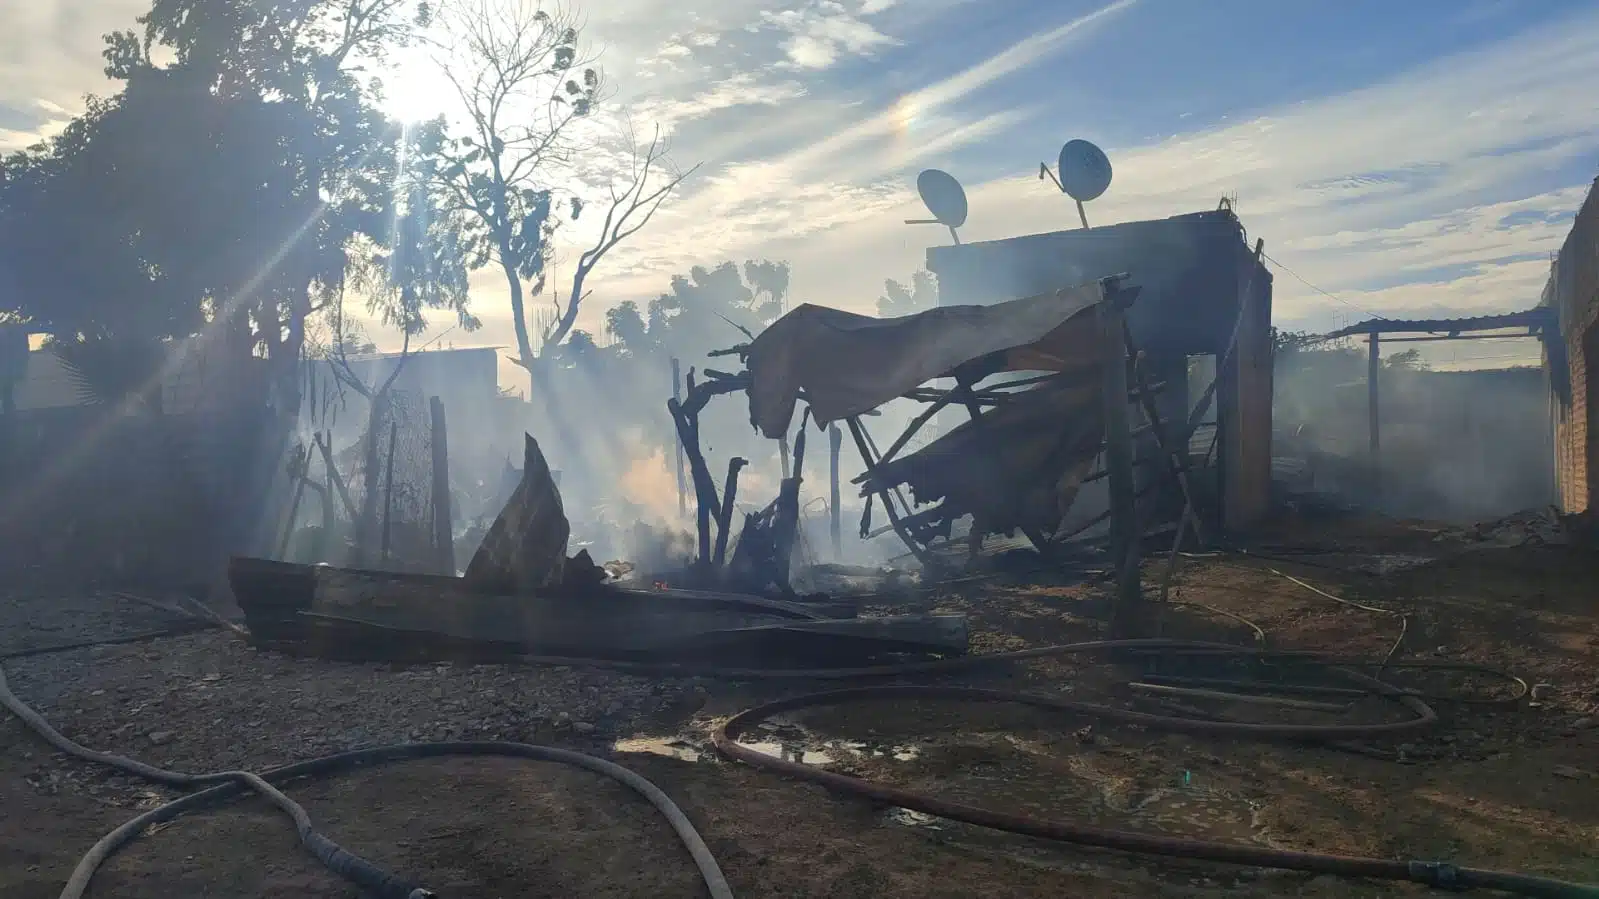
901,299
256,156
707,309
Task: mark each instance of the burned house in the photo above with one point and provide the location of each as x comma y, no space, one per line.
1195,274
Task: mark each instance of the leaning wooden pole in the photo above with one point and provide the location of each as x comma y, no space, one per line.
1129,618
835,443
724,518
677,445
304,469
325,444
443,526
388,488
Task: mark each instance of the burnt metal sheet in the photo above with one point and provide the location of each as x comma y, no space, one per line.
847,364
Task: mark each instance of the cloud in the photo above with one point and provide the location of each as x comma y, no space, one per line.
1442,188
824,31
1438,190
742,89
50,58
847,175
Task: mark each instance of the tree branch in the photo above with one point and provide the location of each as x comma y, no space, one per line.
616,228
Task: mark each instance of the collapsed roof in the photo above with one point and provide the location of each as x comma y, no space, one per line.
846,364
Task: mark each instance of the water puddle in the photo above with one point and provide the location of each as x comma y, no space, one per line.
796,744
789,742
670,747
909,818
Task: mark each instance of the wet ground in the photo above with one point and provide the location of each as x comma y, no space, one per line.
1506,785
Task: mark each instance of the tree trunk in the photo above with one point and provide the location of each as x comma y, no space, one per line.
524,342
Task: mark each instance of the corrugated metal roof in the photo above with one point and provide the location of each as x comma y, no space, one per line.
1536,317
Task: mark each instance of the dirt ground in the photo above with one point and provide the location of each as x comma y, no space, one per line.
1510,786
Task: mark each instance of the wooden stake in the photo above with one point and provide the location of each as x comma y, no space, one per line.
443,526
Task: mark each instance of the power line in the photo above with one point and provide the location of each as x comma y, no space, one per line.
1328,294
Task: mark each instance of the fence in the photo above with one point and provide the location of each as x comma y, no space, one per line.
93,496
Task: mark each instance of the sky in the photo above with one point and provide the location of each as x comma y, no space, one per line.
1402,159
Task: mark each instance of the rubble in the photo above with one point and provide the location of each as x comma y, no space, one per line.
1534,527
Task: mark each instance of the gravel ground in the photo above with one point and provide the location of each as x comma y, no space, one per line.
1511,787
37,621
259,709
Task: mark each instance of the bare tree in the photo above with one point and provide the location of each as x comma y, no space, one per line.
523,89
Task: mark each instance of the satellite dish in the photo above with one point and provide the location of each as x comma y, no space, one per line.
1084,170
944,198
1084,173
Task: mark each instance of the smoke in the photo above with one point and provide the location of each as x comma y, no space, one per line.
1455,446
650,484
655,549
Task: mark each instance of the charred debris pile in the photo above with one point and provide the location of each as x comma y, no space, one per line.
523,596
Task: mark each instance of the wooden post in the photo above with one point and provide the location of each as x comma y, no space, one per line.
835,442
443,526
704,488
1373,370
304,467
1129,618
677,445
388,488
365,528
724,518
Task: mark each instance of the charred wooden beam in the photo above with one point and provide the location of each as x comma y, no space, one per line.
1129,617
677,394
835,441
324,443
686,416
786,523
867,458
724,520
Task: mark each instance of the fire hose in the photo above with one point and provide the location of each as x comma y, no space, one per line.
1436,874
381,883
1430,873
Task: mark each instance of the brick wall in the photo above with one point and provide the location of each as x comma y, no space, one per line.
1573,289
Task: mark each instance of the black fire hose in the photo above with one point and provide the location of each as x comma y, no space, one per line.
1434,874
1153,645
225,785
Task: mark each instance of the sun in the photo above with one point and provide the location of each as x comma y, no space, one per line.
414,88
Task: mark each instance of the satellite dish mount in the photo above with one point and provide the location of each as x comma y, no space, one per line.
944,198
1084,174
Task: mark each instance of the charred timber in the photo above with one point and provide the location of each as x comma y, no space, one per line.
347,613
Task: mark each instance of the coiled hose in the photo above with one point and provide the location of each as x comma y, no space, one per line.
725,737
1434,874
381,883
